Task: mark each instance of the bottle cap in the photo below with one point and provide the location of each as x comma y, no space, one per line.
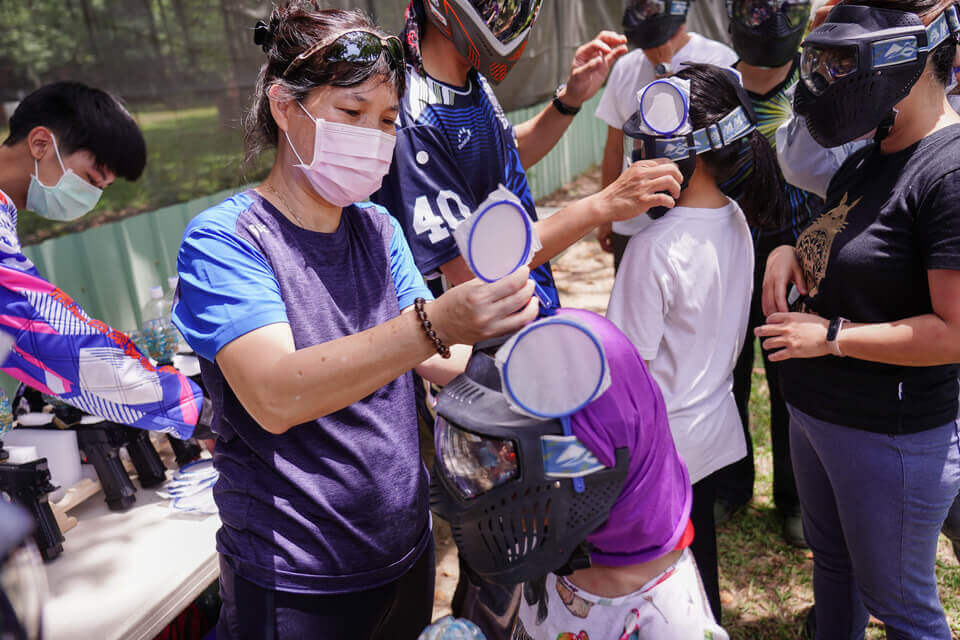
156,292
172,282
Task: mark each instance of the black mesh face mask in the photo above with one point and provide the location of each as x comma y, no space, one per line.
651,23
490,34
521,495
859,64
767,33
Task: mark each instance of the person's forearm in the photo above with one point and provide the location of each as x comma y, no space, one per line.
442,371
558,232
611,166
538,135
310,383
921,341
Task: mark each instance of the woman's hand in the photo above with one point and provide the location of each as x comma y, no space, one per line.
782,269
821,15
644,185
796,335
591,65
476,310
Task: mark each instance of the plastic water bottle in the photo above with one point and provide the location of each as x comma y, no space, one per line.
158,337
449,628
6,413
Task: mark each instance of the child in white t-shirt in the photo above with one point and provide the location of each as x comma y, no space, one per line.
658,30
682,294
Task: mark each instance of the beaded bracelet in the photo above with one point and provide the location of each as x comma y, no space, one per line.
419,304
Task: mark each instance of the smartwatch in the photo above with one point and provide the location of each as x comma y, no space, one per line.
833,335
558,104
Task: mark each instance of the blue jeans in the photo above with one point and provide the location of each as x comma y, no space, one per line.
873,505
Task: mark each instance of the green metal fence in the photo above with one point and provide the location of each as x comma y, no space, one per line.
109,270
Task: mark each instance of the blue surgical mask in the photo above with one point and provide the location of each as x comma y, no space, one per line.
69,199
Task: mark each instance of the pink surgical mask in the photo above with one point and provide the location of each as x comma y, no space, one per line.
349,162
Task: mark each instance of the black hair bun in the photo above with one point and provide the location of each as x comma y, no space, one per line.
263,35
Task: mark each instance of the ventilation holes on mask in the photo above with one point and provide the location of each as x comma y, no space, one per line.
464,390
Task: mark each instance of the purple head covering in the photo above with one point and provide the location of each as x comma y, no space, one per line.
651,515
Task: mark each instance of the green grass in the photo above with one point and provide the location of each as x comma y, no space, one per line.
189,156
765,584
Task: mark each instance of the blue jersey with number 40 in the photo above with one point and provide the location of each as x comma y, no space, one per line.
455,147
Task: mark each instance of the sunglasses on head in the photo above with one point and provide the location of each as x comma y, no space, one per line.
354,47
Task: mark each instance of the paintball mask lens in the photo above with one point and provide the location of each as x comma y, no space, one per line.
753,13
507,20
472,463
645,9
820,67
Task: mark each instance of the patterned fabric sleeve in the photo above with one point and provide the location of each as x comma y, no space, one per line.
61,351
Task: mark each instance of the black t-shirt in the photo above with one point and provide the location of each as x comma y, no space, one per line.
889,218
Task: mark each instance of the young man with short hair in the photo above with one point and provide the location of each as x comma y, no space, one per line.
67,143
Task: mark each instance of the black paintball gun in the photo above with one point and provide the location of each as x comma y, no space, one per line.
28,485
100,442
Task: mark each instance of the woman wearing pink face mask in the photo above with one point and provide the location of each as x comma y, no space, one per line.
309,315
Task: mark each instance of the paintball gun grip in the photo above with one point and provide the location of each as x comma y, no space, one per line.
117,487
186,451
150,469
28,485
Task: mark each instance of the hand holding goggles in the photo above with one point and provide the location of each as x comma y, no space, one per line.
357,47
753,13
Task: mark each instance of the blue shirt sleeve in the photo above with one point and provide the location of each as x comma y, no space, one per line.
428,193
406,277
227,289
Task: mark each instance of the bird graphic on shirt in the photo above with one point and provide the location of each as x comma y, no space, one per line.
574,603
816,242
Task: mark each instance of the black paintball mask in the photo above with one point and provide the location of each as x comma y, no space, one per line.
661,127
651,23
520,491
859,64
490,34
767,33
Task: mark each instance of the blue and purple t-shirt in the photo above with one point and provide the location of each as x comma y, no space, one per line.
341,503
61,351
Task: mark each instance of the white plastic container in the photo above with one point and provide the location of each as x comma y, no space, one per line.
58,447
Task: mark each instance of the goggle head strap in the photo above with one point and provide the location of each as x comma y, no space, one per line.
732,127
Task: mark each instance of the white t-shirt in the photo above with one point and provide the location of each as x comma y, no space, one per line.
633,72
682,296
